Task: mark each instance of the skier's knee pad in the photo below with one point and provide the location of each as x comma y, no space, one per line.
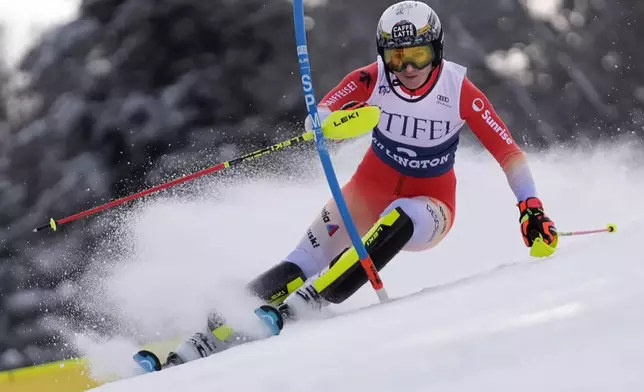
275,284
431,219
385,239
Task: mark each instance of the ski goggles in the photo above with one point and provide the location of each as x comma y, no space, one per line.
418,57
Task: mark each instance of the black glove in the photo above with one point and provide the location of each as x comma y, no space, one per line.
535,223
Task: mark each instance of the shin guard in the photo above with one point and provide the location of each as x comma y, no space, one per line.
385,239
274,285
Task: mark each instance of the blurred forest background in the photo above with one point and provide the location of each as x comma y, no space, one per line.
134,92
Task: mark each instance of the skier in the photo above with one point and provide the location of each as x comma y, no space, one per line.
402,195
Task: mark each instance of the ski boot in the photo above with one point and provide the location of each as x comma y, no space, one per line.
304,303
199,345
218,337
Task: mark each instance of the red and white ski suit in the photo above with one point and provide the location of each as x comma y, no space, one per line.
428,129
410,162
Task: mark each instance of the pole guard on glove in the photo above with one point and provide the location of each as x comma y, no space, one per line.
346,123
538,230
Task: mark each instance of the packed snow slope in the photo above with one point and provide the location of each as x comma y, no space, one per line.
477,313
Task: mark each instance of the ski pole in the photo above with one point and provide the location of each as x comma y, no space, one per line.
610,228
53,223
540,249
311,107
340,125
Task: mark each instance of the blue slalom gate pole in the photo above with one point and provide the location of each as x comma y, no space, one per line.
327,165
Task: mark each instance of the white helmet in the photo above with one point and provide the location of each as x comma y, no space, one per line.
410,23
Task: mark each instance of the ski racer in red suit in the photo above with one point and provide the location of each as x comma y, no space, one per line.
402,196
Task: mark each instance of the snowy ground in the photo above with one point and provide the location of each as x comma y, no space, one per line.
491,319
